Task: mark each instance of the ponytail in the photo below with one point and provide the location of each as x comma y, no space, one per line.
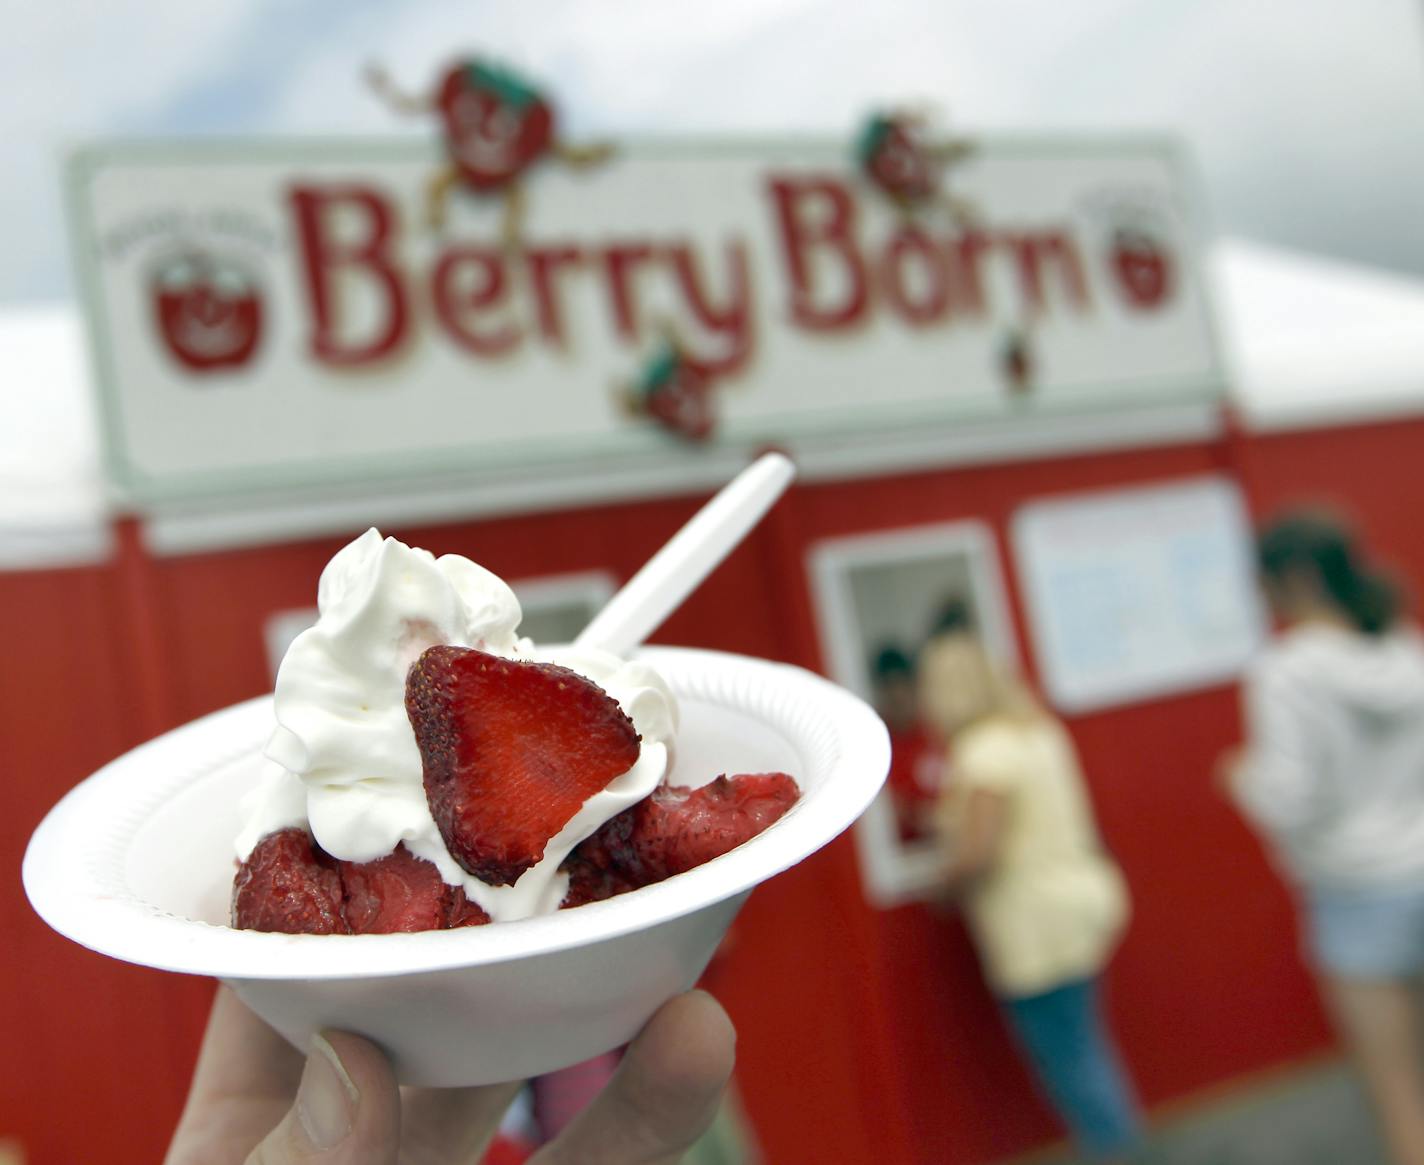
1317,544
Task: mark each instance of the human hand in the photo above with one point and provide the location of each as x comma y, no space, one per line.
254,1100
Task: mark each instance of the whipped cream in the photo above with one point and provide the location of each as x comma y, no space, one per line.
343,760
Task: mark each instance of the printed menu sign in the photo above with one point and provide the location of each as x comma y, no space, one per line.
1137,593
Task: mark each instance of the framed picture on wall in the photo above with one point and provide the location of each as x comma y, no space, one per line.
556,608
879,598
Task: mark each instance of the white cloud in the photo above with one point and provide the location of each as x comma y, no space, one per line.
1303,112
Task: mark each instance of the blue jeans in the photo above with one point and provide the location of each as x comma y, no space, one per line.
1062,1032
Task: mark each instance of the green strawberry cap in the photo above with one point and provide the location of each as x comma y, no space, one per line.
511,89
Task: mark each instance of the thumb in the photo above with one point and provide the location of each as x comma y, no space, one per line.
347,1110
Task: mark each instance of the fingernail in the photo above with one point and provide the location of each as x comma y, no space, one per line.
327,1097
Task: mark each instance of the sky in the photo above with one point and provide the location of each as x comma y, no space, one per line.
1306,117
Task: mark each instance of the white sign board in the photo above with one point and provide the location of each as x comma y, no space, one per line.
1138,593
272,316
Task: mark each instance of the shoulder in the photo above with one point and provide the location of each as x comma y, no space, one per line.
1298,659
996,752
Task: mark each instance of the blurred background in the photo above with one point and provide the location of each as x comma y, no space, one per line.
1076,489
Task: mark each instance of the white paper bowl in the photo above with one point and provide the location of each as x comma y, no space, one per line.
137,863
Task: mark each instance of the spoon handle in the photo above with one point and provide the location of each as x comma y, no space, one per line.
678,569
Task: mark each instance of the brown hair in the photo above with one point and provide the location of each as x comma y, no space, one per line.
1323,546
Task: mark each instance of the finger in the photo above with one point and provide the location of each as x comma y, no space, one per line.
663,1096
243,1083
452,1126
347,1110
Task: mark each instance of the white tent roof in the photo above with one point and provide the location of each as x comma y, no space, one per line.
1308,341
1313,341
53,510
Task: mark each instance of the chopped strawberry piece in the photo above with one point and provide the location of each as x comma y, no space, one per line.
510,751
289,885
461,911
677,828
591,882
397,893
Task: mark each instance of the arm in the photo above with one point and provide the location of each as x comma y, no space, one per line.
1277,779
401,102
977,840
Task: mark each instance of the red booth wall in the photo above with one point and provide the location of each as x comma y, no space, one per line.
865,1035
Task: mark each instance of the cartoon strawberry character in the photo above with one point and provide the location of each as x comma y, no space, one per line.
497,126
208,311
892,151
675,391
1142,267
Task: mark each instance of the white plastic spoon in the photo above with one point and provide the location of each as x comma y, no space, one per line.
693,553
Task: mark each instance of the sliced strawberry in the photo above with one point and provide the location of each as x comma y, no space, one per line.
510,751
677,828
287,884
397,893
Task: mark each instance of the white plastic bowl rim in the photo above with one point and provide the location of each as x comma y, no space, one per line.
841,743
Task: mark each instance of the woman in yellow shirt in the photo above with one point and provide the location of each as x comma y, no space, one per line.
1044,902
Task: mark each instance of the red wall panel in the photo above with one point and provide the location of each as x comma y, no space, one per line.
865,1035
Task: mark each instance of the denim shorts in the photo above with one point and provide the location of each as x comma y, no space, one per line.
1368,933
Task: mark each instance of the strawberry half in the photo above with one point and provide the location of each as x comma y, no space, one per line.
674,829
290,885
510,751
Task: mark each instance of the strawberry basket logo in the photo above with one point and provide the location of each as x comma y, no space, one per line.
207,309
1133,229
1142,266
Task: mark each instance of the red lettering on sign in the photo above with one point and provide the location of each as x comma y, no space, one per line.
927,300
1034,253
808,243
731,318
620,262
545,264
326,254
458,302
969,282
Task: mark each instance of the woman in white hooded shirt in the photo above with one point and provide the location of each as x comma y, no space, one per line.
1333,774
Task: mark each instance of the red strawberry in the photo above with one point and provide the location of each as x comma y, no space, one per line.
510,752
496,125
677,828
287,884
591,881
683,405
900,164
460,911
1142,267
399,892
209,312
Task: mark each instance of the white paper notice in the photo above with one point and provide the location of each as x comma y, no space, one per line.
1138,593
